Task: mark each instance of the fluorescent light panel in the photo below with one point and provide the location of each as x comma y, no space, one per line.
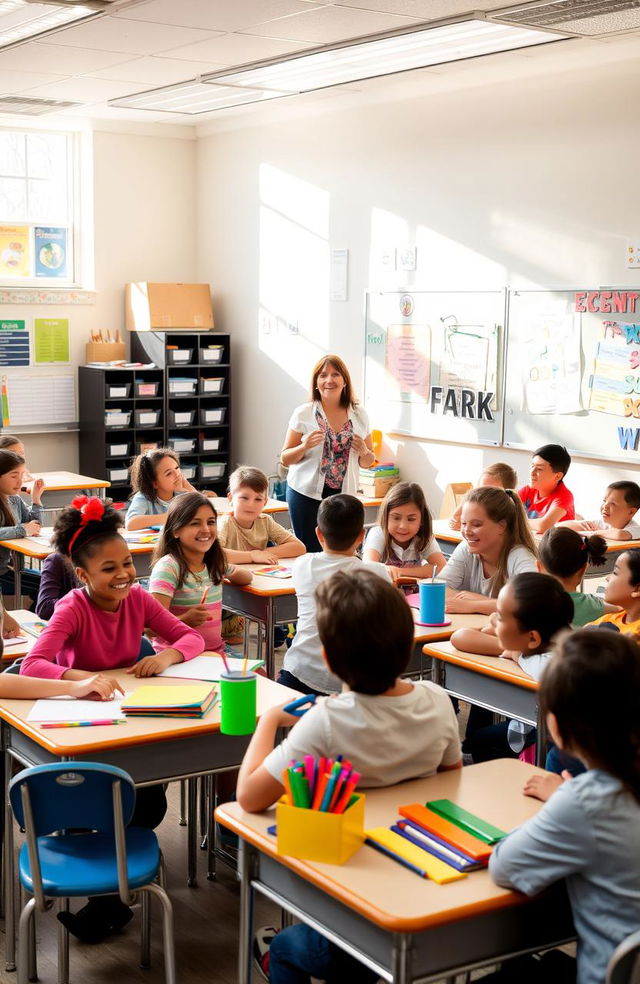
20,20
328,66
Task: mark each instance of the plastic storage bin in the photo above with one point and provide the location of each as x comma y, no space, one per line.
179,356
143,446
182,387
212,415
315,836
118,390
183,445
212,353
210,443
117,474
144,388
147,418
188,471
213,385
212,469
117,418
181,418
118,450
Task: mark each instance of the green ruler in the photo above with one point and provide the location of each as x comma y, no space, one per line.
467,821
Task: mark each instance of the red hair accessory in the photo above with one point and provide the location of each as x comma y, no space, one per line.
91,509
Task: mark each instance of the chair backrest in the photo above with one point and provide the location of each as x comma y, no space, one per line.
624,966
68,795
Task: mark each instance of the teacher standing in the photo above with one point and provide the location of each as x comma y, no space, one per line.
327,441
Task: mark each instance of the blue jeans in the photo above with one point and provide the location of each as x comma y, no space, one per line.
299,953
303,511
289,680
557,761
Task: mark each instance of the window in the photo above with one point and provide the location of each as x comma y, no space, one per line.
37,208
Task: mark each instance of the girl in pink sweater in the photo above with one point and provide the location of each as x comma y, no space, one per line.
99,628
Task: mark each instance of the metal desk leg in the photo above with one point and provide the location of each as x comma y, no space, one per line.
401,958
18,565
246,865
9,900
438,671
269,626
541,740
192,832
212,802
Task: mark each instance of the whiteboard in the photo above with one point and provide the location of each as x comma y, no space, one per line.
571,374
434,364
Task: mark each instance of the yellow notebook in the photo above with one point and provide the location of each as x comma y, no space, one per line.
394,844
182,700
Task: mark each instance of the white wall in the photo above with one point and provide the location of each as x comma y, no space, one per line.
145,208
527,183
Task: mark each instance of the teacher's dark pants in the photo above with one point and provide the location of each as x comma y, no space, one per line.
303,511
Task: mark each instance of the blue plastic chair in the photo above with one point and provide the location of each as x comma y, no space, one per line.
109,858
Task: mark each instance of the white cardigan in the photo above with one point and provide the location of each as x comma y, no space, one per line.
305,477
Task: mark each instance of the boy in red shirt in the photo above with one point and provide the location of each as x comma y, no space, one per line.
547,500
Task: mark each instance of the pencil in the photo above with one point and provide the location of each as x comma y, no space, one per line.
204,595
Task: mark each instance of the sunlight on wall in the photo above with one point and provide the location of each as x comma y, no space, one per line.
448,264
529,243
293,327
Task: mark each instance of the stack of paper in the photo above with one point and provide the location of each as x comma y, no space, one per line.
188,701
204,668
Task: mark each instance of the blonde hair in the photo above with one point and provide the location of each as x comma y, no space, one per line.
505,474
347,397
253,478
504,506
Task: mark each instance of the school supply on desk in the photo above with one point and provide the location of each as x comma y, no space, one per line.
326,785
274,571
459,839
189,701
467,821
57,710
301,705
409,854
203,668
15,641
33,628
436,846
141,536
83,724
377,480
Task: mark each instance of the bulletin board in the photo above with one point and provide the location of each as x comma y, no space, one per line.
434,364
573,371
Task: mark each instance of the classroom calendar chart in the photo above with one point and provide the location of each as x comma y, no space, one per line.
433,364
573,371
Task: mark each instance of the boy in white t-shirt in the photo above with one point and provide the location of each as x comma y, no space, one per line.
619,506
389,728
340,531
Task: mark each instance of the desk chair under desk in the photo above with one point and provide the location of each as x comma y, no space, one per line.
406,928
498,684
151,750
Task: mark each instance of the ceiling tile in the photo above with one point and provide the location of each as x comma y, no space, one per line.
155,71
424,10
21,81
59,60
234,49
216,15
118,34
82,89
326,25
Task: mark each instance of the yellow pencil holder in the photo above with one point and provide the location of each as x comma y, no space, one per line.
315,836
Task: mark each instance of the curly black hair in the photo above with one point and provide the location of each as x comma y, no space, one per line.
94,533
143,471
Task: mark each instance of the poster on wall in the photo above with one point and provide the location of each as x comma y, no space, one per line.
470,358
408,361
550,359
51,340
615,382
15,252
15,348
50,251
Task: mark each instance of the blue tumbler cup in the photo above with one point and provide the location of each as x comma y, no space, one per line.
432,602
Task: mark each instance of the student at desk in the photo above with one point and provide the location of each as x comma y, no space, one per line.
497,545
548,500
17,520
617,514
588,833
390,729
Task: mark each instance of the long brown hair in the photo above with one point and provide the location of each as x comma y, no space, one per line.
403,494
347,397
9,461
592,687
144,468
180,512
504,506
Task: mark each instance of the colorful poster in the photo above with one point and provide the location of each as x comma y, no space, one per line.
550,356
615,383
15,252
15,349
408,358
50,251
51,338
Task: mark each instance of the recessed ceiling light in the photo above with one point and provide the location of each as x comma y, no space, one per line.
192,98
21,20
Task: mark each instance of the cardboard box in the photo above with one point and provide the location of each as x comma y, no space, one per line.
105,351
315,836
168,307
453,496
378,488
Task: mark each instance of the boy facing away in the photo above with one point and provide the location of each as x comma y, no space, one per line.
616,522
340,531
548,500
390,729
247,534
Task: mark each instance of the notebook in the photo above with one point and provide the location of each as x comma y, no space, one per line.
191,700
204,668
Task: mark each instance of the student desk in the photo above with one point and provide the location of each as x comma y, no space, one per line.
498,684
280,511
406,928
151,750
424,635
27,640
59,487
38,548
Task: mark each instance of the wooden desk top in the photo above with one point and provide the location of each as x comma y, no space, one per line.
137,731
443,531
60,481
493,666
432,633
21,615
222,505
379,888
39,547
